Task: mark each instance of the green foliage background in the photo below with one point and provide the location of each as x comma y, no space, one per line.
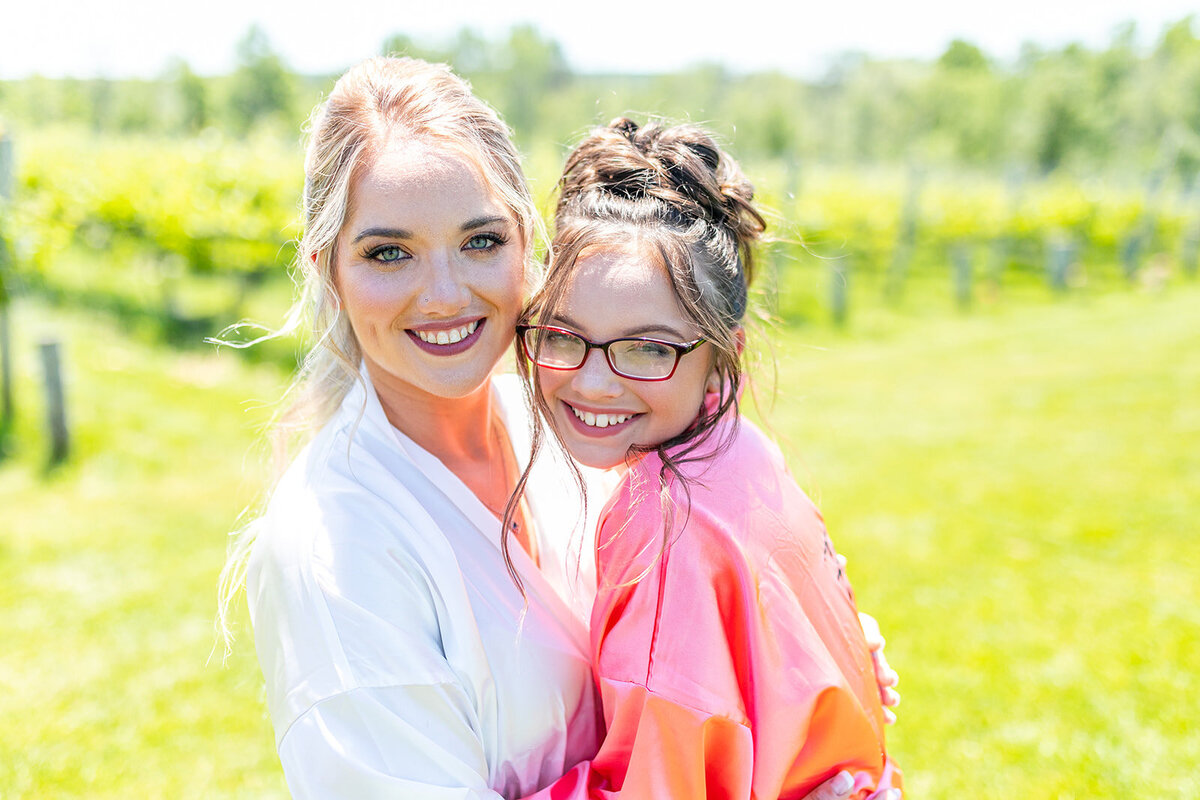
1002,429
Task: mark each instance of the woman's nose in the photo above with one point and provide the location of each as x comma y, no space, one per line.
444,293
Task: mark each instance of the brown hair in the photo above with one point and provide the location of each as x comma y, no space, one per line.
688,199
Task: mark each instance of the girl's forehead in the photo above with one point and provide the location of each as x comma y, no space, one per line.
613,287
620,266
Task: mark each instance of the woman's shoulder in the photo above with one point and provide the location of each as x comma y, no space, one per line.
342,510
342,582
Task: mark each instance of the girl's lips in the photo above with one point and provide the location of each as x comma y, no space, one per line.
468,333
612,428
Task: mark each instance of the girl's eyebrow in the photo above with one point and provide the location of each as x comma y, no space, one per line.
401,233
641,330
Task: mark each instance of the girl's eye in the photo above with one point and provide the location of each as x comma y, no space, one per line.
651,350
484,241
388,254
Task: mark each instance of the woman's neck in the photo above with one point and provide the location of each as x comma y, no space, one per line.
457,430
467,436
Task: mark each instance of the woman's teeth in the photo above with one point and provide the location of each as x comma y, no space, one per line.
600,420
447,337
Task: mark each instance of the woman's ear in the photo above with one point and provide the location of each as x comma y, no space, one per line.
739,338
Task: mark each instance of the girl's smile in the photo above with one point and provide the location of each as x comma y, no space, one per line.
599,423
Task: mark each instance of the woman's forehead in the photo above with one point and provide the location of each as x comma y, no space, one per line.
412,180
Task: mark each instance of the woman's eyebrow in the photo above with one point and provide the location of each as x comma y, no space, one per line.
479,222
383,233
401,233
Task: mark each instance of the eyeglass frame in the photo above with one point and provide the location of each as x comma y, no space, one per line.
681,350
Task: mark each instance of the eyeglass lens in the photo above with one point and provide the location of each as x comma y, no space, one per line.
631,357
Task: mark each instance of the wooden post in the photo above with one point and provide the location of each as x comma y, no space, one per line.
7,412
1143,234
777,253
1001,252
1190,251
906,238
1004,245
839,289
1131,255
6,166
1061,252
6,183
56,412
960,255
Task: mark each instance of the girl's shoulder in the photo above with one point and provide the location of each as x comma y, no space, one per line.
735,452
739,481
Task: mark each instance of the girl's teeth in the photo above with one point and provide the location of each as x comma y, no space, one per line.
448,337
599,420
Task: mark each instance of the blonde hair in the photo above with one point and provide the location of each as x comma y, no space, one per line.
376,102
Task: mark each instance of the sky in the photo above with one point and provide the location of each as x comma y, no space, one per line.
140,38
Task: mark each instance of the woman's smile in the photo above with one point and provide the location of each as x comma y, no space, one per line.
447,339
430,273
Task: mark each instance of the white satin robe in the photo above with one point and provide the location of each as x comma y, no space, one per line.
400,660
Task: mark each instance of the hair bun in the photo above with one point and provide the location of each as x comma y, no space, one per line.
677,174
624,126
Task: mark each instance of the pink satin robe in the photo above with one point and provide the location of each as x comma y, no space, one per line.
731,663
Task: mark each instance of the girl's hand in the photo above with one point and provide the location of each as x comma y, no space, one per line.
885,676
839,787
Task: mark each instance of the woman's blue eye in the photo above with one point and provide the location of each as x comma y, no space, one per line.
388,254
483,241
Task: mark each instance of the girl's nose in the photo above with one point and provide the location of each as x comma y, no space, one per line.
595,378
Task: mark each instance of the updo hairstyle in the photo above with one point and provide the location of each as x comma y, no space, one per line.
674,188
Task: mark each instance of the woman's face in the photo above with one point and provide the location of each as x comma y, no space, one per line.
430,271
623,292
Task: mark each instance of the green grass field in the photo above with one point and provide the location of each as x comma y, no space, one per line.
1017,492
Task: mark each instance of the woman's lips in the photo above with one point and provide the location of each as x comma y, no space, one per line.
447,340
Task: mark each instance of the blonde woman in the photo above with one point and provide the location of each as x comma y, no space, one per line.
407,651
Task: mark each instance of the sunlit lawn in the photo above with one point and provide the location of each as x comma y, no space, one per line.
1017,492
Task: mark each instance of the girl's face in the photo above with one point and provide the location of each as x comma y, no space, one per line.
623,291
429,271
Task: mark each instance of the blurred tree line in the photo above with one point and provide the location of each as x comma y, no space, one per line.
1124,108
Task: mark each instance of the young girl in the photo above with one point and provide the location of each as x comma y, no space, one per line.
726,642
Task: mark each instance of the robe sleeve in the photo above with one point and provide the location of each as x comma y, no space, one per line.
364,700
387,742
700,699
